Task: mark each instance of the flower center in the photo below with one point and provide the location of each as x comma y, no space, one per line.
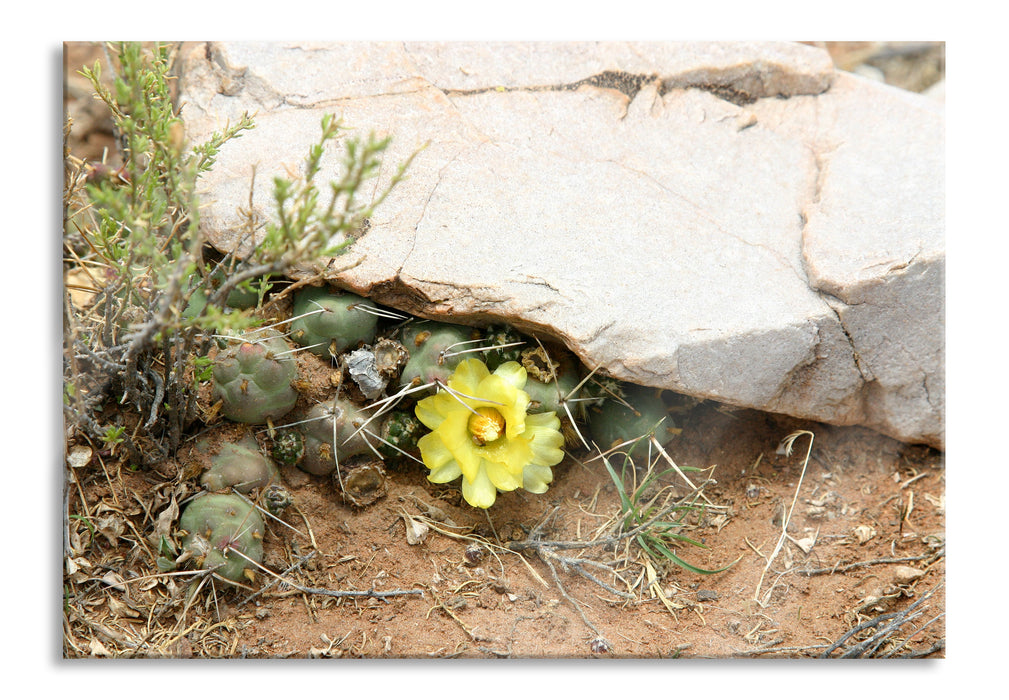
487,425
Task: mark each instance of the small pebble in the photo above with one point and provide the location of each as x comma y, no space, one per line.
907,574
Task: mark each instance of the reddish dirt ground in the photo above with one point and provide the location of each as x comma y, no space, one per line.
866,507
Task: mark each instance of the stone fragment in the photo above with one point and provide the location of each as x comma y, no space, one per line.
733,221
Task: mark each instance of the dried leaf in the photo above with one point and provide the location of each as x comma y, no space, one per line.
939,503
96,648
806,543
76,568
416,530
864,533
120,609
163,526
114,580
79,456
112,527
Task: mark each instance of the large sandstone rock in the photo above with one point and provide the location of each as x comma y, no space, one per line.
730,221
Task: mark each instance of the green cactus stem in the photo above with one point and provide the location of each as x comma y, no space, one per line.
328,323
430,346
238,298
253,379
613,422
328,423
217,528
552,377
240,466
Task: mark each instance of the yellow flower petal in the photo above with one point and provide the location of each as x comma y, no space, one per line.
513,454
454,432
428,412
433,451
447,472
502,477
468,375
545,438
536,478
513,373
480,492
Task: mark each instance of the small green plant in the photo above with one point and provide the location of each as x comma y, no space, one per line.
647,511
114,435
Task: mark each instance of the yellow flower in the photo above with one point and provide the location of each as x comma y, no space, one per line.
481,431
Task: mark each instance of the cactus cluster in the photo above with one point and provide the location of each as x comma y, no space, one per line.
553,378
253,378
222,532
327,323
256,381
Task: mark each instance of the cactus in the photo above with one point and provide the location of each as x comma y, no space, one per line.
401,430
217,523
238,298
253,379
499,335
613,422
276,498
551,379
328,423
288,446
242,298
240,465
337,324
428,345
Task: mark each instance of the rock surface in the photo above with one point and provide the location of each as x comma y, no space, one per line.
731,221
